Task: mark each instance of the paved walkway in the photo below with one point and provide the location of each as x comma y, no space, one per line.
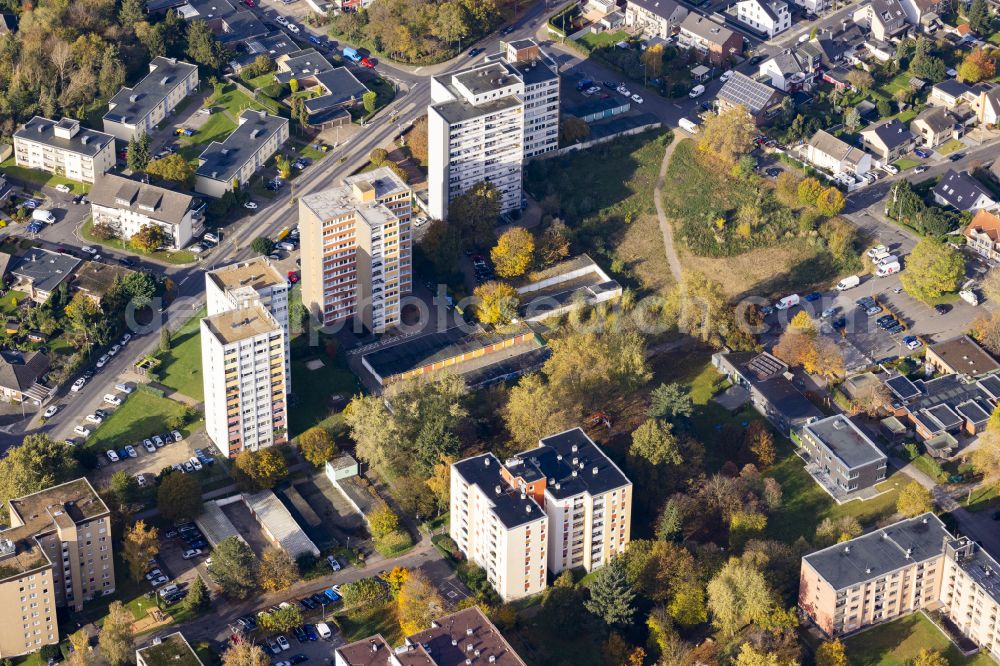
665,228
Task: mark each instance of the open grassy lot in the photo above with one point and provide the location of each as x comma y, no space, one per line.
612,219
950,147
41,178
10,301
180,368
898,643
905,164
364,622
596,40
313,388
177,258
142,415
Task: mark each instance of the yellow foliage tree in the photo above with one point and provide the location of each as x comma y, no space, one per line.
513,252
914,500
418,603
496,302
729,134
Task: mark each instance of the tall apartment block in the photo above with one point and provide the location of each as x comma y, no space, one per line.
562,505
485,121
242,284
56,553
893,571
356,250
243,362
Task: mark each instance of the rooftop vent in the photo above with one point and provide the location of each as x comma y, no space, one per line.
133,98
558,486
435,624
454,642
7,547
374,646
498,489
576,461
595,470
574,473
469,647
868,570
909,551
847,549
165,80
573,448
468,632
493,659
486,462
527,508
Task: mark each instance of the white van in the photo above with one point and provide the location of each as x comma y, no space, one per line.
848,283
888,259
323,629
887,269
880,255
688,125
40,215
697,91
787,302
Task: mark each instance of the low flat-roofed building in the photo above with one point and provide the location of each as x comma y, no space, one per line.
946,405
95,278
39,272
237,159
339,91
139,109
170,650
127,206
841,458
279,525
567,285
960,355
63,147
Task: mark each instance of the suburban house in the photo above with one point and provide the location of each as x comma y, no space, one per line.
926,13
841,458
814,6
39,272
713,41
128,205
139,109
63,147
19,375
792,70
836,45
950,93
769,388
934,126
768,17
228,24
836,156
221,166
888,140
654,18
884,18
339,91
942,407
983,235
760,100
94,279
301,66
988,106
962,356
273,46
961,190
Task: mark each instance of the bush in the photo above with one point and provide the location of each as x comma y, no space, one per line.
50,652
393,543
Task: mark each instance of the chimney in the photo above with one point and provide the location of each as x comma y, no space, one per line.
468,632
498,489
486,461
595,470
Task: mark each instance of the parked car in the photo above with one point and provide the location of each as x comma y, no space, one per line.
920,169
148,445
112,399
697,91
78,384
83,431
922,154
332,561
726,75
176,434
193,552
130,450
103,361
112,456
250,205
637,99
158,581
124,388
62,188
94,418
283,643
158,441
310,631
50,411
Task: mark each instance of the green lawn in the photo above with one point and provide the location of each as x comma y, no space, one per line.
312,390
180,368
364,622
10,301
982,498
142,415
216,128
897,643
906,163
41,178
899,82
950,147
176,258
906,116
598,40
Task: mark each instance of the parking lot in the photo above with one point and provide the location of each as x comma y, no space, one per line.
147,463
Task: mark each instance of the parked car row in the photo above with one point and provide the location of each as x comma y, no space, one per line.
150,444
101,362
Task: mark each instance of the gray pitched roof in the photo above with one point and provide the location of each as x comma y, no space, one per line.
960,189
221,161
663,8
937,118
131,105
706,29
45,269
836,148
85,142
888,10
19,371
952,87
891,133
342,88
158,203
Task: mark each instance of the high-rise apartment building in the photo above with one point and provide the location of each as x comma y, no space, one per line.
485,121
356,250
56,552
243,362
893,571
562,505
242,284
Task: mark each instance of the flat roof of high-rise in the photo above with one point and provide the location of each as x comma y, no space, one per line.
383,179
240,324
508,504
571,463
256,273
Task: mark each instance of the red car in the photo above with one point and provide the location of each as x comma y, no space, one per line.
293,277
249,3
365,62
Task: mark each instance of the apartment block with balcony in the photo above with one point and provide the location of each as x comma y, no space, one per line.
585,498
357,250
245,283
840,457
56,553
223,166
243,362
890,572
483,122
64,148
139,109
127,206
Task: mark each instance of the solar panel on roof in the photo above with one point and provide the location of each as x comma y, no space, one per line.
741,89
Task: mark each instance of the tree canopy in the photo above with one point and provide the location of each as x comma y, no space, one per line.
933,269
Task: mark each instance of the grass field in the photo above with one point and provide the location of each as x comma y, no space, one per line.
897,643
365,622
598,40
950,147
905,164
41,178
180,368
312,390
10,301
177,258
142,415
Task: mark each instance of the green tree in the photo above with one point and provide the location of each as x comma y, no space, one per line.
670,521
513,253
370,101
914,500
451,22
611,597
284,619
262,245
378,156
809,191
929,658
123,488
978,17
655,442
729,134
149,238
418,603
116,641
383,521
260,469
277,570
179,497
852,119
365,592
164,339
38,462
687,607
234,567
173,167
204,48
831,653
474,214
933,268
197,599
317,446
739,595
670,401
830,202
534,410
131,12
138,154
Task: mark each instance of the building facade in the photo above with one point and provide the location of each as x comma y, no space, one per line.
483,122
768,17
840,457
233,162
654,18
714,41
983,235
562,505
128,206
138,110
56,553
357,250
63,148
243,362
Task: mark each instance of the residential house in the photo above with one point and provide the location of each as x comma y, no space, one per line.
714,41
884,18
940,408
94,279
987,104
961,190
139,109
229,24
339,91
760,100
813,6
842,459
128,206
654,18
64,148
221,166
934,126
768,384
792,70
827,152
960,355
273,46
838,77
950,93
983,235
837,44
20,373
923,13
888,140
768,17
39,272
